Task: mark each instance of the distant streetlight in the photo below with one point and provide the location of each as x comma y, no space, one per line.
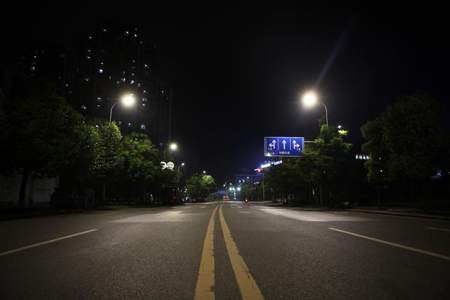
204,172
180,166
173,147
311,99
127,100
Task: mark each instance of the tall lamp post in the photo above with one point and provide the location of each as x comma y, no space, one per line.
180,166
127,100
311,99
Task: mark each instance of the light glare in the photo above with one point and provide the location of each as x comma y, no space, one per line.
128,100
310,99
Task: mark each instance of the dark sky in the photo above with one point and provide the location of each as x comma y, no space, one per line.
237,71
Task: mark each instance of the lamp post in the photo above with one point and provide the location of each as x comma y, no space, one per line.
180,166
311,99
127,100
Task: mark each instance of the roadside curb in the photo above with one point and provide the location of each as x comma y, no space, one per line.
392,213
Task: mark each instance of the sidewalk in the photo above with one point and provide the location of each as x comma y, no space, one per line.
407,212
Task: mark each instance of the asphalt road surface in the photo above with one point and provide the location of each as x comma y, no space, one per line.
224,251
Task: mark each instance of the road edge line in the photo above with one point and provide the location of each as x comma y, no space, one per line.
46,242
425,252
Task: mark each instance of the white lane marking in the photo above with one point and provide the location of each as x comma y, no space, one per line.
46,242
393,244
165,216
439,229
311,216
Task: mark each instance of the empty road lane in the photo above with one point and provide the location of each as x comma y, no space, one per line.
224,251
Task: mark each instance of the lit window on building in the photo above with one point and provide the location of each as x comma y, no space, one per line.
144,99
88,57
89,50
124,79
127,32
145,66
98,105
143,126
90,37
105,30
99,98
33,68
144,91
129,124
35,56
143,104
101,63
100,71
132,81
83,107
139,84
66,85
86,79
132,74
135,35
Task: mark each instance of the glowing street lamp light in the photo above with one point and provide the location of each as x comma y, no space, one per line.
173,147
311,99
181,166
127,100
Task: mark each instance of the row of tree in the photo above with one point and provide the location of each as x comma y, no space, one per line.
42,135
199,186
408,145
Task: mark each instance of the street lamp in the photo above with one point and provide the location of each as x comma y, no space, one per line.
204,172
180,166
173,147
311,99
127,100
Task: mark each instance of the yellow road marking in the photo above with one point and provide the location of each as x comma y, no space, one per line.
247,285
206,280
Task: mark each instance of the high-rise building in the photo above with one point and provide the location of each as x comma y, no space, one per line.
92,72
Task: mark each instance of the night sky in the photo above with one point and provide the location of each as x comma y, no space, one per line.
236,72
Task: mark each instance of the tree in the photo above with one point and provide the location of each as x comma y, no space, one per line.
105,141
44,133
406,143
138,161
200,186
323,165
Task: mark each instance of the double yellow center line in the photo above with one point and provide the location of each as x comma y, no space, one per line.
206,279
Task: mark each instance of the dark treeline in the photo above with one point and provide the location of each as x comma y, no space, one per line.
42,135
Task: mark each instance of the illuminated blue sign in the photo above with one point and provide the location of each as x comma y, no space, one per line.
283,146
